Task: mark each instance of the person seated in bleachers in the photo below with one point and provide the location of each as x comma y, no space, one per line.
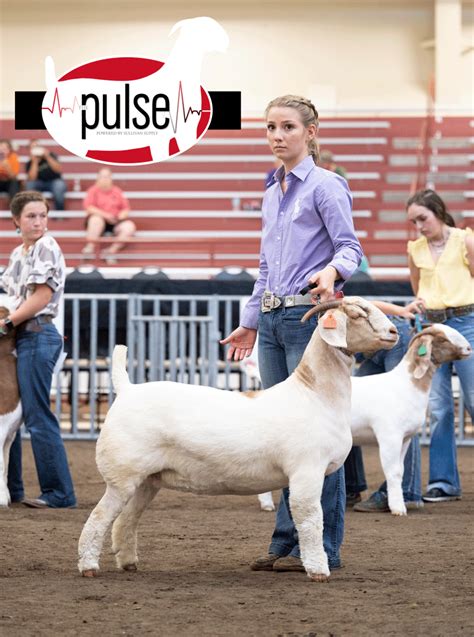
326,161
9,169
107,211
43,173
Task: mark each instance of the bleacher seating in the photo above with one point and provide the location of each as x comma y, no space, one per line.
201,208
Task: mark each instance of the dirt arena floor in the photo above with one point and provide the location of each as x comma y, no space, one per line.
401,576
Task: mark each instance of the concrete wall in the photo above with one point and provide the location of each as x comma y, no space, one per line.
344,55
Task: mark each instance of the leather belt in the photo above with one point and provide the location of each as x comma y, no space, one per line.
34,324
439,316
271,302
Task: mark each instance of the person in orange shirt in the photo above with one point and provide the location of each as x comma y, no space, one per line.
107,212
9,169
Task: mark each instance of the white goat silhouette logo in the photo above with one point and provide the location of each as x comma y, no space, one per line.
131,110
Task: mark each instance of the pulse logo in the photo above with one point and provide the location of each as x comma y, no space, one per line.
129,110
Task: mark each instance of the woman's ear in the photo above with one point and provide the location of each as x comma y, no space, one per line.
312,131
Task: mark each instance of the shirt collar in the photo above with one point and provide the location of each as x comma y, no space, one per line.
300,171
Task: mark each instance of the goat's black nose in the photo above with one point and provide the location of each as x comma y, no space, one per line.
393,330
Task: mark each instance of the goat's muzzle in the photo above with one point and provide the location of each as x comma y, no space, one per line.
393,335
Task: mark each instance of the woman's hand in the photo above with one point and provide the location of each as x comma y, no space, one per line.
6,326
241,343
324,280
415,307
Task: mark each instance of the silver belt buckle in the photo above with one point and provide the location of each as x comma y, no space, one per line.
269,302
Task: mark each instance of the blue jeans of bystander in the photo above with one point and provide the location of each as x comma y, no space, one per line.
281,342
37,353
443,458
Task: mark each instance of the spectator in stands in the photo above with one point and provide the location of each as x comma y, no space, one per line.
107,211
43,173
9,169
34,281
309,237
327,162
442,274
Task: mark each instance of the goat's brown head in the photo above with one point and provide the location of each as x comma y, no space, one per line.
437,344
356,325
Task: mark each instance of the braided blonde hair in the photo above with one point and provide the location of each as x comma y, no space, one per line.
309,115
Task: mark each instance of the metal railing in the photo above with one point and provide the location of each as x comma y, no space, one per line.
168,337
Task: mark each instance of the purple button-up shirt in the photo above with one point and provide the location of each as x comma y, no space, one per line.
303,230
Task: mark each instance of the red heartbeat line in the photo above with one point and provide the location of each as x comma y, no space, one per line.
61,108
186,113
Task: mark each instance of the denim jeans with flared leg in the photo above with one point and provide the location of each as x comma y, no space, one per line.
37,353
443,458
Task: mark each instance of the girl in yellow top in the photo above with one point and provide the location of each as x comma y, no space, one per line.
442,275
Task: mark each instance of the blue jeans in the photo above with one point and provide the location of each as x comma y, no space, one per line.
443,458
37,355
380,362
282,339
56,186
15,481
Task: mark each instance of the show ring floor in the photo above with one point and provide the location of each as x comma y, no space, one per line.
401,576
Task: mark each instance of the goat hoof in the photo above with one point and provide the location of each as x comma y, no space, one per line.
318,577
90,573
268,507
398,513
129,567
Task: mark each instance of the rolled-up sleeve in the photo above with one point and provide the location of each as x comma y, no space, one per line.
45,267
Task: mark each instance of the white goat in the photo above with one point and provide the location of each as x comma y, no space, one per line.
391,407
209,441
10,406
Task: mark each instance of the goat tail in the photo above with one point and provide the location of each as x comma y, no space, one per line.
120,377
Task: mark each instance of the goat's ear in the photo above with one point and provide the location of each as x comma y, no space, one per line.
335,336
423,355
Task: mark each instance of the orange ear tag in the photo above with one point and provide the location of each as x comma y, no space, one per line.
329,322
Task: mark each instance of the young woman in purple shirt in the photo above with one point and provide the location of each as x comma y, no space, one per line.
307,237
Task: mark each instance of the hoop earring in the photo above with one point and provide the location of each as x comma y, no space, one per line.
18,231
